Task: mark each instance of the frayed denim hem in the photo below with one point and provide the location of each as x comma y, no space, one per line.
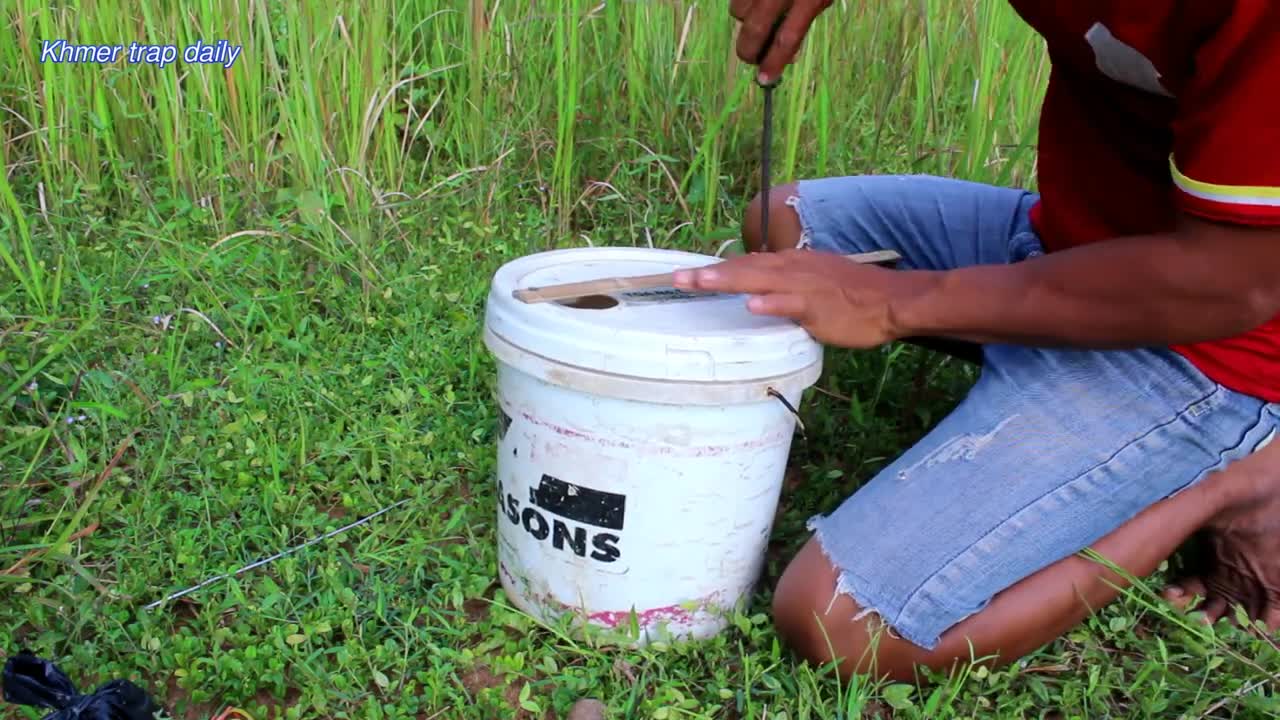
796,202
863,594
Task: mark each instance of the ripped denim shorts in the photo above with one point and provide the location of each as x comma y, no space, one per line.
1051,449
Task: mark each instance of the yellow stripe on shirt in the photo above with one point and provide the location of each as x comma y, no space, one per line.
1236,194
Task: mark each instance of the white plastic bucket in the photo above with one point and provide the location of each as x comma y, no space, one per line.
641,449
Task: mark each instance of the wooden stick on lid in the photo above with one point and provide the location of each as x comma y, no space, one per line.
604,286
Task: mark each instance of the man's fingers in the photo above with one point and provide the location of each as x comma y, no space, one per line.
792,33
757,26
757,274
786,305
738,9
749,280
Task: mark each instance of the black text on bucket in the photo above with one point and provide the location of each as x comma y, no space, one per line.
580,517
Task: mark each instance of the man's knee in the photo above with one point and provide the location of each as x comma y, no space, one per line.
810,615
794,614
824,626
784,223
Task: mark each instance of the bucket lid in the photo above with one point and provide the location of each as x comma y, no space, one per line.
661,334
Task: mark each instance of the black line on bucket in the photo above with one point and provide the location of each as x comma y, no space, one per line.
787,404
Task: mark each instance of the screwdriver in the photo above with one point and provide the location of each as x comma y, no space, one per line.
766,135
766,140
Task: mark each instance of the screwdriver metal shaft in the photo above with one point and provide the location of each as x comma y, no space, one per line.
766,141
766,136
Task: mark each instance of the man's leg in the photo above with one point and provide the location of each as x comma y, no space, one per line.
1028,615
971,536
934,223
784,224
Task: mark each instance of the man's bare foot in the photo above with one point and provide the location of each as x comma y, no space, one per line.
1241,566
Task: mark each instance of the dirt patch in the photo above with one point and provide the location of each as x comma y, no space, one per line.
23,631
335,512
587,709
175,697
482,678
463,487
277,706
792,480
185,610
476,609
875,708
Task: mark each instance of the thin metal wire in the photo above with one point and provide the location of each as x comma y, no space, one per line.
787,404
273,558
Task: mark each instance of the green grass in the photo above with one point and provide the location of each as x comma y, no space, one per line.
257,296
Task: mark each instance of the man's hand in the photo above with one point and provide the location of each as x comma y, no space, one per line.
758,20
838,301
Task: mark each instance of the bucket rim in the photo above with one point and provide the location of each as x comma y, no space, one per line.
675,338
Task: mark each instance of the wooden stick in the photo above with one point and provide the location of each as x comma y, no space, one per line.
604,286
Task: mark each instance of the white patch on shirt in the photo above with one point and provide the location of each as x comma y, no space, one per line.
1122,62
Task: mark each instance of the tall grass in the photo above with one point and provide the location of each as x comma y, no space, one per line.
358,111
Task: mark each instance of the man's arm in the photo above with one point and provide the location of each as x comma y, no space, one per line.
1205,281
1215,276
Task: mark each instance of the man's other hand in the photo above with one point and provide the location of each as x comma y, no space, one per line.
840,302
758,20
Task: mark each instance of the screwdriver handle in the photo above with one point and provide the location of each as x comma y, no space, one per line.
764,50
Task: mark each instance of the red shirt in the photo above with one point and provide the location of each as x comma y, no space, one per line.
1156,107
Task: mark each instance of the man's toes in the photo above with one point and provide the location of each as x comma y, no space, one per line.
1214,608
1271,616
1182,593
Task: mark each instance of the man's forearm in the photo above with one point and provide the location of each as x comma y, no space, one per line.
1143,291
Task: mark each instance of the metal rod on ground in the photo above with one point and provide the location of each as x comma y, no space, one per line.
273,558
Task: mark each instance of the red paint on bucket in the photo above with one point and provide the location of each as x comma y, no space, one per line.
616,618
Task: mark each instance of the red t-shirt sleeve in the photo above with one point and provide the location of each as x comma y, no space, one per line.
1226,158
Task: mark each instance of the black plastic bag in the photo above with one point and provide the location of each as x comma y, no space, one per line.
32,681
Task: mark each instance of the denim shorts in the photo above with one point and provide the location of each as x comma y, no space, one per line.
1050,450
